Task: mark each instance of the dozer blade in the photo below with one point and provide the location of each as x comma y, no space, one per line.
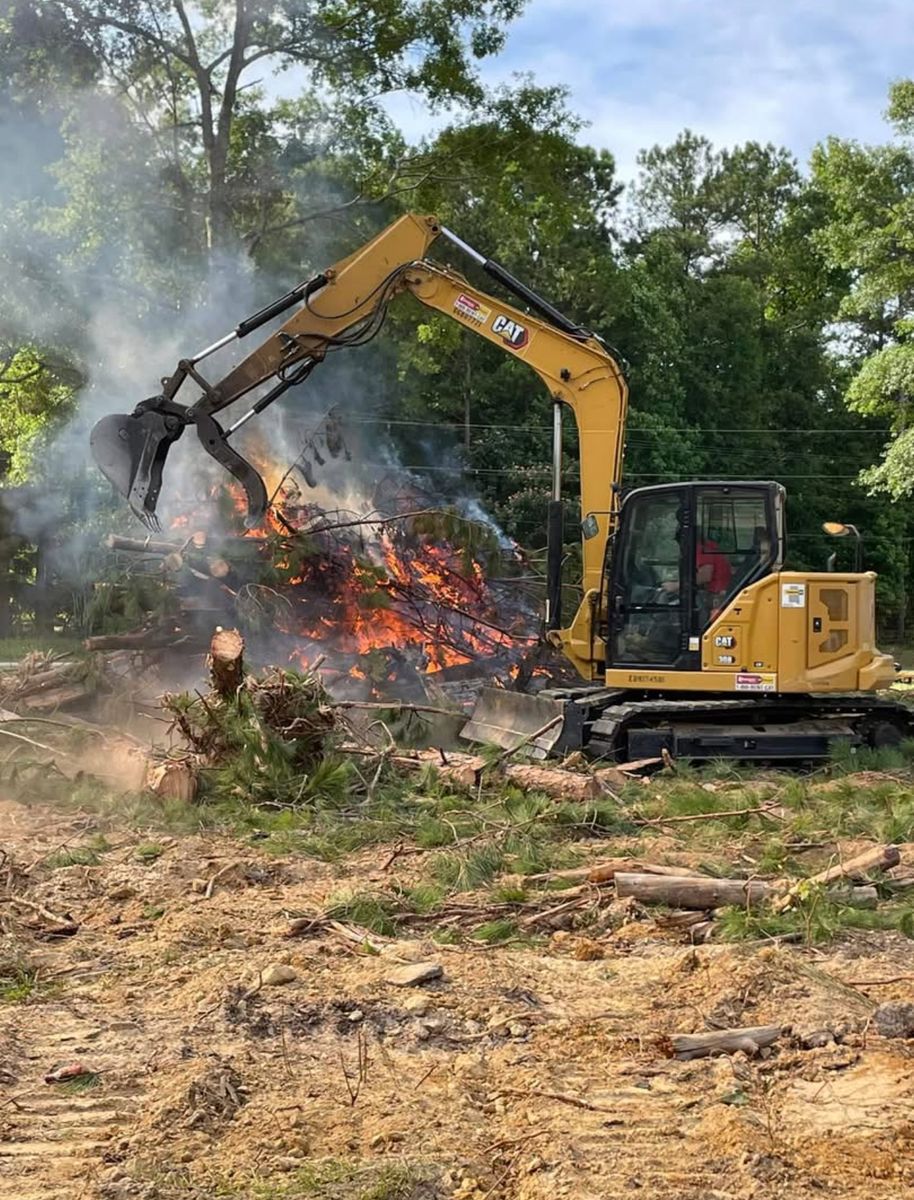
509,719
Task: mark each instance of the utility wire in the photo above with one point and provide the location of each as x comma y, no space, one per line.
754,429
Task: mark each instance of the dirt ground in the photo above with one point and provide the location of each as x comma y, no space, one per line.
529,1072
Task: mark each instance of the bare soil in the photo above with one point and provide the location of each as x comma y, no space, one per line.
528,1072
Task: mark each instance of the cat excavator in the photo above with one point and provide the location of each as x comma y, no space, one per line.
691,638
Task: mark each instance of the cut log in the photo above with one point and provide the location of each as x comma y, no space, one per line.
219,568
606,870
466,770
699,892
865,896
137,639
562,785
140,545
687,1046
683,891
59,697
879,858
226,650
40,681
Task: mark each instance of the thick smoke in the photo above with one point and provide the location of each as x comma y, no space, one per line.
107,268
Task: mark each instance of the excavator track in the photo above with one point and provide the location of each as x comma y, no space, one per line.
622,726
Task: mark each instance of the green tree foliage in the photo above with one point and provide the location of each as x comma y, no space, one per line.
182,72
34,402
869,233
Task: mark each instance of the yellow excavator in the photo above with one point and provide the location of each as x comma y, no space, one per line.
690,638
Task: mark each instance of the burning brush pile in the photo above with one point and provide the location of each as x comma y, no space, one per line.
392,594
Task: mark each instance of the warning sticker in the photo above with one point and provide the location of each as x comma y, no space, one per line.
467,307
756,683
793,595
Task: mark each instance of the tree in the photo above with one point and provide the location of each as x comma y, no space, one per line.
869,234
183,71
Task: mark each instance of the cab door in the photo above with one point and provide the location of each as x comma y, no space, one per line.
649,605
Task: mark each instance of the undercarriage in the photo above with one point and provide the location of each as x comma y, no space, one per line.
623,725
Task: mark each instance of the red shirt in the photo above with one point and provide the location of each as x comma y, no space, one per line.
708,554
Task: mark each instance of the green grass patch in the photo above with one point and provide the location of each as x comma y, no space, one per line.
816,918
14,648
446,935
509,893
342,1181
423,898
20,983
495,932
470,870
148,852
74,856
86,1082
367,909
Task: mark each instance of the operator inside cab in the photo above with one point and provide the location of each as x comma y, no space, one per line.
713,572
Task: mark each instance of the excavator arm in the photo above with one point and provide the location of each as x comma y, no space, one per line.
345,306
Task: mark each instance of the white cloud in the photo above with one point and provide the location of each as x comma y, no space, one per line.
787,71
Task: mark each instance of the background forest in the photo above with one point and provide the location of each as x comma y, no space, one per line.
157,186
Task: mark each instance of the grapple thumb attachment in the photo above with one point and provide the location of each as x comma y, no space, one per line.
130,450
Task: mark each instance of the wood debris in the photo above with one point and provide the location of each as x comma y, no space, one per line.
750,1041
880,858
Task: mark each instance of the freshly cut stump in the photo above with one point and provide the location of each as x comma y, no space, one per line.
226,662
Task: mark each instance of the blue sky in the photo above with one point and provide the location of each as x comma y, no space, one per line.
786,71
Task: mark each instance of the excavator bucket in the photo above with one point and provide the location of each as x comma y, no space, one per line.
511,719
130,451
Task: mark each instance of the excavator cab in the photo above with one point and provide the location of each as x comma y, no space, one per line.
682,553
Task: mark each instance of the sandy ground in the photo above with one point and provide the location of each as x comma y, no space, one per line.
531,1073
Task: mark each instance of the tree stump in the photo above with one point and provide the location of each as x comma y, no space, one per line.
226,663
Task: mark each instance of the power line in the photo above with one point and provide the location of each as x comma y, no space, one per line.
753,429
673,477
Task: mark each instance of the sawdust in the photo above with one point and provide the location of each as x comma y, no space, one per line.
525,1072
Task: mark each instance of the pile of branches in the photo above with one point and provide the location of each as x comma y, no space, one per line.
265,739
44,682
